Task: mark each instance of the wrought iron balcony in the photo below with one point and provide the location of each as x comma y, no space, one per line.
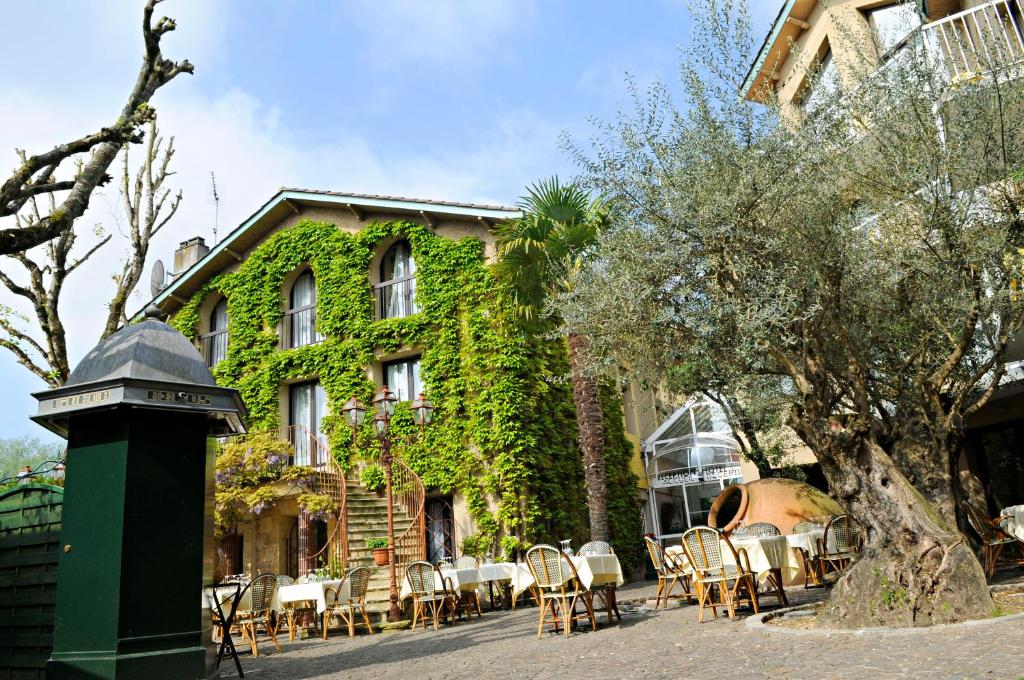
214,347
298,328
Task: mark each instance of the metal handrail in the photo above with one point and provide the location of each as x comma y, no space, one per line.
330,478
407,489
970,42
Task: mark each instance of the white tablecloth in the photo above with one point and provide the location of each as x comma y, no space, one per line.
496,571
463,580
225,593
593,570
1013,522
312,592
807,540
765,553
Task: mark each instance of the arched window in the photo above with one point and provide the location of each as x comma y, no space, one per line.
300,319
396,292
215,343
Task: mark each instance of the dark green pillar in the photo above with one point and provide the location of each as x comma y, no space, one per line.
131,574
137,532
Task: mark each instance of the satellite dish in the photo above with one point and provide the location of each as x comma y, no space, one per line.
157,278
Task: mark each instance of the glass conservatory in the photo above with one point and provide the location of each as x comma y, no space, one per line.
688,461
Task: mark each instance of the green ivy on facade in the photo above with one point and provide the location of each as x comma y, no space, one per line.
504,427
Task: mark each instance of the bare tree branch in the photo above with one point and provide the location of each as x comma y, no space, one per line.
26,180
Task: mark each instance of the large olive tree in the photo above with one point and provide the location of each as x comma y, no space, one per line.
863,259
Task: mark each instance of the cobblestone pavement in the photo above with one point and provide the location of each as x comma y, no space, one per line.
647,644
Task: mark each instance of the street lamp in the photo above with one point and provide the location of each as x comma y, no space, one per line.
384,407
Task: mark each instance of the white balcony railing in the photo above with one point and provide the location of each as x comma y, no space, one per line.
977,41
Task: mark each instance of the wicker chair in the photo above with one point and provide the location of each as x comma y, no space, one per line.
703,546
758,529
466,562
605,593
358,580
595,548
812,577
993,537
261,613
840,545
765,530
558,589
426,595
670,572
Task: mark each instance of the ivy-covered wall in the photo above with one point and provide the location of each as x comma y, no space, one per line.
504,425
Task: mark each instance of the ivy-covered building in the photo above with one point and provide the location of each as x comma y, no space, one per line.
319,296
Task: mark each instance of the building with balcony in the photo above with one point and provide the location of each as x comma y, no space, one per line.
816,52
319,296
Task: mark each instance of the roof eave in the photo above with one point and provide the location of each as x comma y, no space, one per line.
484,214
754,72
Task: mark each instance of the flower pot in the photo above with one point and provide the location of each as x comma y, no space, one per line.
380,556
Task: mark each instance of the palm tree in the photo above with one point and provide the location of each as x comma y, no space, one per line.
540,254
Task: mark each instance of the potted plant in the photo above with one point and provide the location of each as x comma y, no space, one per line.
379,547
372,477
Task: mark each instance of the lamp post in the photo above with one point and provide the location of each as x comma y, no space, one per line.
384,407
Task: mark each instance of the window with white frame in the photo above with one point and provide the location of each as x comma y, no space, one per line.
893,24
396,292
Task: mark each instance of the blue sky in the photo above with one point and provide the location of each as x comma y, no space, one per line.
446,99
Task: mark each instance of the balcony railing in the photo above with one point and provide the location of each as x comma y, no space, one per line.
395,299
214,347
298,328
977,41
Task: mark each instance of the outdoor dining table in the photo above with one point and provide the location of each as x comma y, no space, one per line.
311,591
770,556
495,572
463,580
1014,520
594,571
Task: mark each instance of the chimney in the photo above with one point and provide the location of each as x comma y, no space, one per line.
189,252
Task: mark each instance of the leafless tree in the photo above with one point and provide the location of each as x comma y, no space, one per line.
145,201
36,174
148,206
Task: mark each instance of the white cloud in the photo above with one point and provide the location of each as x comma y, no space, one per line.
253,151
462,33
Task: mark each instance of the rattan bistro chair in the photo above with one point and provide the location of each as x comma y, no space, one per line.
466,562
993,537
806,526
261,613
670,572
758,529
558,589
840,545
595,548
358,580
427,596
703,546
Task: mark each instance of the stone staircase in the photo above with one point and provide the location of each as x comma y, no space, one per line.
368,518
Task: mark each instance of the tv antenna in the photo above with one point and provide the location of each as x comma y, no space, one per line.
216,204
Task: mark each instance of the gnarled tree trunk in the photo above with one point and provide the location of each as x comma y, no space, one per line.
587,398
915,569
